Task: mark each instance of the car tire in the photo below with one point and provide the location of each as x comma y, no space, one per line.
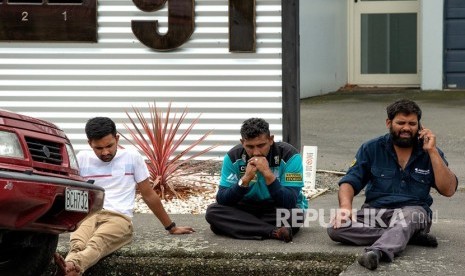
26,253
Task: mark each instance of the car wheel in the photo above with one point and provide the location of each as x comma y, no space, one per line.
26,253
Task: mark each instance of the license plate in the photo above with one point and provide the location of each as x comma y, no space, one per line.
77,200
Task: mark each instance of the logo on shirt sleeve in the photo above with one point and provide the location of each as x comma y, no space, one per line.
232,178
353,163
293,177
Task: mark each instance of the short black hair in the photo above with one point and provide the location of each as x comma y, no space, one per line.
254,127
99,127
403,106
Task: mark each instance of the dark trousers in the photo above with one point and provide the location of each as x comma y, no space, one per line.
391,232
248,222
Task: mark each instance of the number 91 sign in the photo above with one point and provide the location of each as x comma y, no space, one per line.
181,22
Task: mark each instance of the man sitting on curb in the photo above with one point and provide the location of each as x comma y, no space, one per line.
261,183
118,171
397,171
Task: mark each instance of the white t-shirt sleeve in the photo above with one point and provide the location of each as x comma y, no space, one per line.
140,168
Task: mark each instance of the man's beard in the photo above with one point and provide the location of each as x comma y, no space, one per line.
403,142
108,157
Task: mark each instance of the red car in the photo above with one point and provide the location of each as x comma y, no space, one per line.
41,193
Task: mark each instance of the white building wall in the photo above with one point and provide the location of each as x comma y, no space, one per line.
432,26
68,83
323,46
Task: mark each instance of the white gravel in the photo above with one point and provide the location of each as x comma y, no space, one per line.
197,204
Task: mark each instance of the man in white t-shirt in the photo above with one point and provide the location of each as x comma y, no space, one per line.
118,171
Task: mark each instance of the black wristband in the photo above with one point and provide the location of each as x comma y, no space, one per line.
171,226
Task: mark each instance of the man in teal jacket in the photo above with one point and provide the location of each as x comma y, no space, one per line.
260,188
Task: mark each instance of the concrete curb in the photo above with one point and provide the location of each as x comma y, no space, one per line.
154,252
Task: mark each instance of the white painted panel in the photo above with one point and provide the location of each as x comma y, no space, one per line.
432,27
68,83
323,46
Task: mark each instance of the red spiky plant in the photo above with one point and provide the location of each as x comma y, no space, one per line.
156,138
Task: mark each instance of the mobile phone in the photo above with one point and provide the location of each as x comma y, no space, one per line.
420,140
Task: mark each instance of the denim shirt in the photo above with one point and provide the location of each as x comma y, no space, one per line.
386,184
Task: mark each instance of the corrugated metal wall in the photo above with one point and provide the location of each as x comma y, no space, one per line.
67,83
454,43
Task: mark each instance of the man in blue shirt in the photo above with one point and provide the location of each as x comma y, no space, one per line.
260,188
397,171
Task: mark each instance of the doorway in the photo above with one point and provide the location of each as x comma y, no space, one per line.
384,43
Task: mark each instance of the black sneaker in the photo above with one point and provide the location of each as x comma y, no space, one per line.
370,259
423,239
283,233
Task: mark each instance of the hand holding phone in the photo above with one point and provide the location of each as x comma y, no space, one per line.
426,138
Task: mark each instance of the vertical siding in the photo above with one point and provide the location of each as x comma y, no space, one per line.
67,83
454,44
